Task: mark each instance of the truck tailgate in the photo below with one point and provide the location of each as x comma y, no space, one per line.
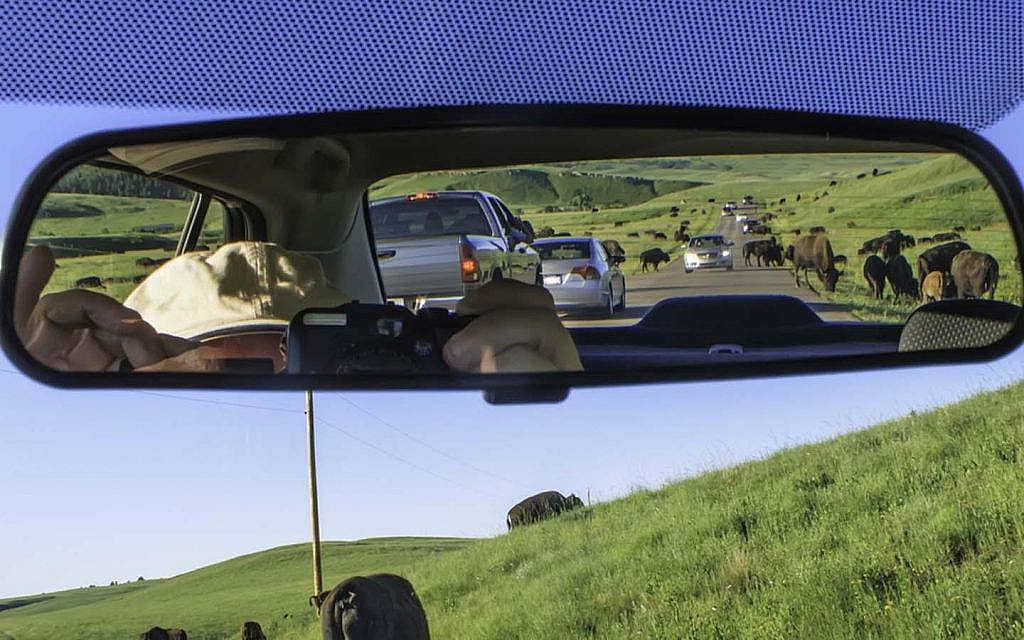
422,266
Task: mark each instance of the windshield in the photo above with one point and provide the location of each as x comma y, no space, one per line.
432,216
563,250
712,241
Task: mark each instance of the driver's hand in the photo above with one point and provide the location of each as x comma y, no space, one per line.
517,332
79,330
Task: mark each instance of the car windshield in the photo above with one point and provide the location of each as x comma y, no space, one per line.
428,216
576,250
711,241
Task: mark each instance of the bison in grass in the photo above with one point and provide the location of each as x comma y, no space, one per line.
815,252
938,285
975,274
382,606
901,278
874,273
539,507
653,257
159,633
938,258
252,631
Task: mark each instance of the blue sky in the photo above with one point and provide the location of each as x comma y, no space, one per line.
101,486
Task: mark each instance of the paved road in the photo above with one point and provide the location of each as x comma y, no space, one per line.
644,290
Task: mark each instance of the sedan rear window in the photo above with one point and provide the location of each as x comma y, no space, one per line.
428,217
563,250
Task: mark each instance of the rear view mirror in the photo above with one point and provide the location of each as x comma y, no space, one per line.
332,251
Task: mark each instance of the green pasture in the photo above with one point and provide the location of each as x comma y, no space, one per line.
909,529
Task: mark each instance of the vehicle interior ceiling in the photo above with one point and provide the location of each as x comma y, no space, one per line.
310,192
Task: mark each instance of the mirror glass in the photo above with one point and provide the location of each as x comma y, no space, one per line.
248,255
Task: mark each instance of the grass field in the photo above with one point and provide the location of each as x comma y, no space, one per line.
909,529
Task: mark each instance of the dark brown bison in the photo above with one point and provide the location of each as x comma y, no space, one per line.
539,507
814,251
632,234
945,237
874,273
938,285
159,633
377,607
891,248
839,259
960,228
938,258
660,236
975,274
901,278
653,257
817,230
90,282
613,248
252,631
926,240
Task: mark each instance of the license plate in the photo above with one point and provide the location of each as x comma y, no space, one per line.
552,280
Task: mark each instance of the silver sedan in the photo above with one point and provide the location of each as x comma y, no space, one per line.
580,274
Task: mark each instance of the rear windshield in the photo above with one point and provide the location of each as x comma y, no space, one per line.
563,250
428,217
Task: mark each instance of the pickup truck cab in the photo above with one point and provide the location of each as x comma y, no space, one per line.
435,247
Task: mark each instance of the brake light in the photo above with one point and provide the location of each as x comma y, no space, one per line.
468,263
422,195
588,272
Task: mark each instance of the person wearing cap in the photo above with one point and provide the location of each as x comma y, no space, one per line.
200,309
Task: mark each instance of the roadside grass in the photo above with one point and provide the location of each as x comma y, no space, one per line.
911,528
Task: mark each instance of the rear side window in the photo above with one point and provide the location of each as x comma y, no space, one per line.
428,217
563,250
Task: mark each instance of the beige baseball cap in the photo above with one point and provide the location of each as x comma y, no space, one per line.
241,286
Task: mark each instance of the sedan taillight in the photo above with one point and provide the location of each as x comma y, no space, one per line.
588,272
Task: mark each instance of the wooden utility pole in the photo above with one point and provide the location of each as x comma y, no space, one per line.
314,510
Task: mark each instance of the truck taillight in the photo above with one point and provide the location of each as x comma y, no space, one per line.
588,272
468,263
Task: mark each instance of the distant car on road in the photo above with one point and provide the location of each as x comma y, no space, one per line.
708,251
580,274
750,223
748,199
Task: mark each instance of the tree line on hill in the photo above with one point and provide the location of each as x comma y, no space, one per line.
94,180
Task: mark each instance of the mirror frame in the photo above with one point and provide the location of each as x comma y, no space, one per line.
511,387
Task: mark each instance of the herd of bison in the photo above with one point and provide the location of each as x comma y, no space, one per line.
385,606
949,270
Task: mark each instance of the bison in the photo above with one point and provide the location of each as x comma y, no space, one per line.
938,258
159,633
539,507
619,223
660,236
613,248
382,606
817,230
874,273
946,237
901,278
891,248
252,631
814,251
938,285
839,259
960,228
653,257
91,282
975,274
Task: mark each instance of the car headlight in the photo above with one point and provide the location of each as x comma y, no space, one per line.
726,253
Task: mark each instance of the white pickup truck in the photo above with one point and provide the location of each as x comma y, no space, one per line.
433,248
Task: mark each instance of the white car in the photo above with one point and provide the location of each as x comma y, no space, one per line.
708,251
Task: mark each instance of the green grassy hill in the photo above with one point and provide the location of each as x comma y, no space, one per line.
910,529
